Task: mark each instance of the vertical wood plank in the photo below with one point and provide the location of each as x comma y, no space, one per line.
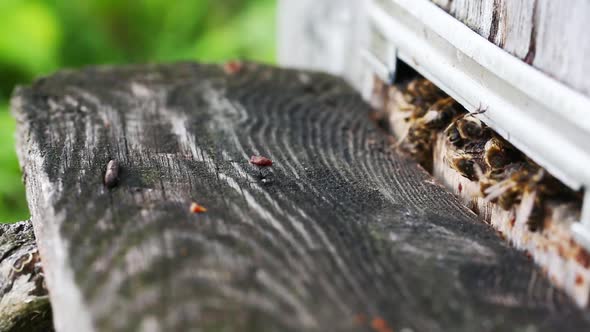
562,41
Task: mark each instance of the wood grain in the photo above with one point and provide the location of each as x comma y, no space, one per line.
547,34
24,304
340,234
323,35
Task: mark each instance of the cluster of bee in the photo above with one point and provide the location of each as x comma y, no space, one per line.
427,110
505,175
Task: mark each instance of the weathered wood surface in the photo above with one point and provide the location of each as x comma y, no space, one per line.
550,35
340,234
324,35
24,303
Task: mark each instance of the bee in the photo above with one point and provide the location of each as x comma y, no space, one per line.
465,165
518,180
418,96
453,136
470,127
516,176
536,217
465,128
422,91
493,190
510,198
440,114
437,117
419,137
418,142
498,153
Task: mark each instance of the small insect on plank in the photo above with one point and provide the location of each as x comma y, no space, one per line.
111,177
197,208
260,161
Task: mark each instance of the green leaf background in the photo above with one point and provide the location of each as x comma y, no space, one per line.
38,37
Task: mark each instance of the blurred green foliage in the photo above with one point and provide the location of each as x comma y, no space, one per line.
39,36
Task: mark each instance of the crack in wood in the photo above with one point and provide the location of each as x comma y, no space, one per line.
530,56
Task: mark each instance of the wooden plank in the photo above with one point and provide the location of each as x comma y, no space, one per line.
508,24
320,35
544,33
561,42
24,304
341,233
475,14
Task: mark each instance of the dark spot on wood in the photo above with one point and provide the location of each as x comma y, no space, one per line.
530,56
494,29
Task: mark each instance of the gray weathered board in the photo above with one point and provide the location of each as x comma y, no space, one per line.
341,233
24,304
550,35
